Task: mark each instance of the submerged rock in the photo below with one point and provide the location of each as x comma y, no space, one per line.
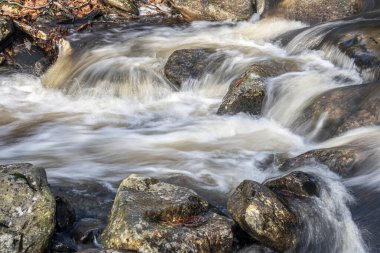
345,42
312,11
342,160
361,43
27,209
151,216
339,110
263,215
187,64
246,94
214,10
87,230
124,5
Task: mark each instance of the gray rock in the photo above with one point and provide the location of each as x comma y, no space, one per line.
263,215
187,64
312,11
6,29
27,209
342,109
246,94
152,216
124,5
214,10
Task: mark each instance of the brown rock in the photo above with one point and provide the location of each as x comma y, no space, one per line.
214,10
151,216
263,216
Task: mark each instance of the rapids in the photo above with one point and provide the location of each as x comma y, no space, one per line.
107,111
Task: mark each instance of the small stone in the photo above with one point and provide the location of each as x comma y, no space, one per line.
87,230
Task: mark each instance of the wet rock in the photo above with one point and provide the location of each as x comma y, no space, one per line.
6,29
360,42
340,110
85,198
296,183
312,11
187,64
62,243
263,215
86,230
65,214
255,249
124,5
152,216
352,40
27,209
342,160
103,251
246,94
214,10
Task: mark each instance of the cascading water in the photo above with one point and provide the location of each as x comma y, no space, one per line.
107,111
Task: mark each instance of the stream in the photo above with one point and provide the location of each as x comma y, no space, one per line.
108,111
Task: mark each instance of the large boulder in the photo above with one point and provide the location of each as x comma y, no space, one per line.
152,216
263,215
246,93
186,64
339,110
312,11
214,10
27,209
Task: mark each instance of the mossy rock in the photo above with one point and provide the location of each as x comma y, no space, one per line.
27,209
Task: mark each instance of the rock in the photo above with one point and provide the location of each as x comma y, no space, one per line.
214,10
77,195
312,11
186,64
361,42
87,230
152,216
124,5
246,94
6,29
296,183
263,216
342,160
65,215
62,243
255,249
27,209
341,109
102,251
356,38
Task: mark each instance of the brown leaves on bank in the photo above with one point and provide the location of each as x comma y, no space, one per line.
30,10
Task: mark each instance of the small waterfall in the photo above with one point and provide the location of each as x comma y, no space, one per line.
106,110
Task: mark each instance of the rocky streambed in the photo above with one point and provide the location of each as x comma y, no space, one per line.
189,126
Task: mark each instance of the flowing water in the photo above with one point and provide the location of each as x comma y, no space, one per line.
107,111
